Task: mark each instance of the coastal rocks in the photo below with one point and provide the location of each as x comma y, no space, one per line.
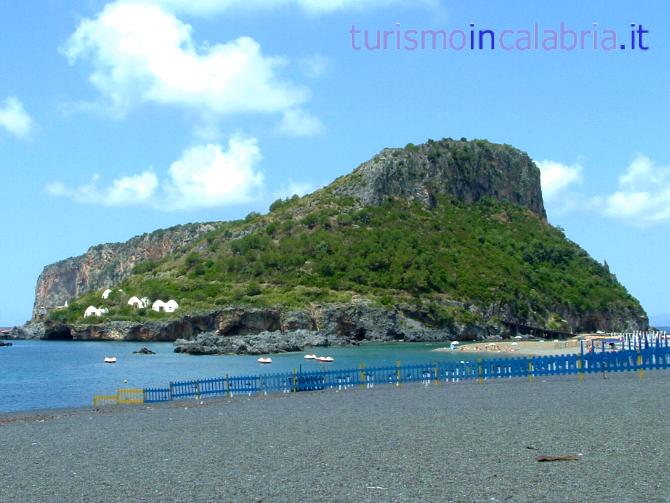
31,330
5,344
245,321
239,330
243,331
211,343
144,351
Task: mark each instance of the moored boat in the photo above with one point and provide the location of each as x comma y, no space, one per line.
110,359
264,361
310,357
325,359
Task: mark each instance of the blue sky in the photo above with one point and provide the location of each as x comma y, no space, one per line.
117,118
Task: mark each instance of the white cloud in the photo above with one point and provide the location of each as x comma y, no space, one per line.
204,176
14,118
643,195
314,65
297,122
142,54
207,176
557,177
201,7
132,190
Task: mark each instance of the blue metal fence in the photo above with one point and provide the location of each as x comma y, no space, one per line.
649,357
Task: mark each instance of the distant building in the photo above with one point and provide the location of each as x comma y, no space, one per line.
165,307
135,302
106,294
92,311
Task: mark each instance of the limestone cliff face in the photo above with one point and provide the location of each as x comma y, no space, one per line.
107,264
467,171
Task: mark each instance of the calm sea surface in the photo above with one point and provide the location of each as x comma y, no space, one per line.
53,374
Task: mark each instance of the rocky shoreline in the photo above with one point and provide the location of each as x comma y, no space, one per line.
266,330
246,330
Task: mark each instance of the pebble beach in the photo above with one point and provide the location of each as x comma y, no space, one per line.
456,442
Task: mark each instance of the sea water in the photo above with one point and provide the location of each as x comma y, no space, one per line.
56,374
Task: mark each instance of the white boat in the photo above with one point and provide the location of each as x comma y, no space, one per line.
310,357
110,359
264,361
325,359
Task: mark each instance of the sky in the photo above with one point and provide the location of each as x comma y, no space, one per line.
119,118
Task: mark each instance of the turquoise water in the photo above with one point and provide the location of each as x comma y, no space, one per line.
54,374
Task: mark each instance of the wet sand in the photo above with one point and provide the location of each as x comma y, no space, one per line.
462,442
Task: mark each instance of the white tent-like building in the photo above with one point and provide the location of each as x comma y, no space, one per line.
138,303
92,311
165,307
106,294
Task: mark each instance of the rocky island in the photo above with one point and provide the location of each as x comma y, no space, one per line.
441,241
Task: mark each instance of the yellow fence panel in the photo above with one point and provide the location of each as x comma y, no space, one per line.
105,400
129,396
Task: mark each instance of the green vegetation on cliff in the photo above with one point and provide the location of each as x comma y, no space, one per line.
440,257
487,253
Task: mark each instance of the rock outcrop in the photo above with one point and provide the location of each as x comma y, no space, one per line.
261,331
107,264
467,171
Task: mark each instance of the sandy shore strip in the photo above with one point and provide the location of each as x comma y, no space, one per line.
462,442
520,348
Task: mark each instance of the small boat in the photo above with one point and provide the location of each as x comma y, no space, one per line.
310,357
110,359
325,359
264,361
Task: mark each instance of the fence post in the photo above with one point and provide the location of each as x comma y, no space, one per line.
397,373
363,375
481,376
228,387
639,364
437,372
580,361
294,388
580,374
530,369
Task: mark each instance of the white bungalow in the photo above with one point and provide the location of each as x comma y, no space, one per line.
158,306
171,306
92,311
135,302
106,294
